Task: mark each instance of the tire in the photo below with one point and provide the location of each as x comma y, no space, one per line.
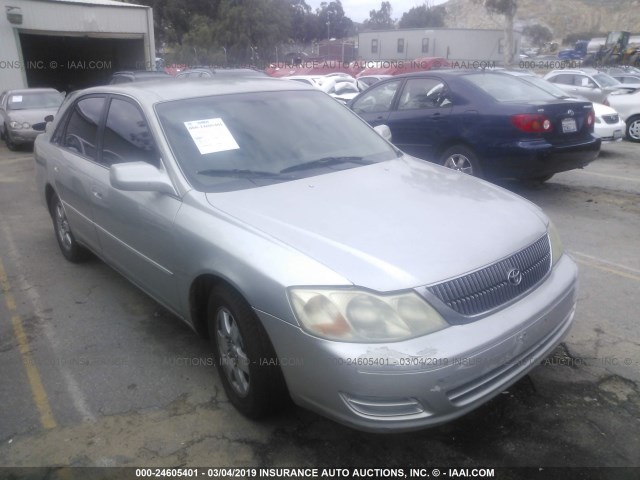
246,361
462,159
70,248
633,129
11,145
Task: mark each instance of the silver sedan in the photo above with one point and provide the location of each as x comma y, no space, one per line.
325,265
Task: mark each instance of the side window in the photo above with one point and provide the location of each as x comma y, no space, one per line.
584,81
564,79
423,93
81,133
378,99
425,45
126,136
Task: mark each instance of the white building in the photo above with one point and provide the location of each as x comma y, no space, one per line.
457,44
70,44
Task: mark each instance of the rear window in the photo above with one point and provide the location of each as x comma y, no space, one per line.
504,88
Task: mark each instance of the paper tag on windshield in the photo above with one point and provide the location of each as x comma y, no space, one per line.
211,135
16,98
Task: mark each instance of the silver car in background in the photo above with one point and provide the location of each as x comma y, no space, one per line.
21,109
382,291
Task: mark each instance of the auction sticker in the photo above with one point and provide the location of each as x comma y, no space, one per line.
211,135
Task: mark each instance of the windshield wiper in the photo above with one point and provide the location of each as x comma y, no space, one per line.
237,172
325,162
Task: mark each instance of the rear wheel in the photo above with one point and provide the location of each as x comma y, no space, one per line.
70,248
542,178
246,361
462,159
633,129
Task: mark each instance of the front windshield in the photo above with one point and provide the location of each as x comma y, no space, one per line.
35,100
606,80
236,141
505,88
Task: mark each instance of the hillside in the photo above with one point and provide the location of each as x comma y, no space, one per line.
561,17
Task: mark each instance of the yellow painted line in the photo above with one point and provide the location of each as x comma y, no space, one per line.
605,266
35,381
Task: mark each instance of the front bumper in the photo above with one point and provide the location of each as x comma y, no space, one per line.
429,380
23,135
610,132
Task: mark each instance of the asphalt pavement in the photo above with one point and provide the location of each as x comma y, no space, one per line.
94,373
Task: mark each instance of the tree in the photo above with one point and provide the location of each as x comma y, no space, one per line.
508,9
424,16
249,30
304,23
538,35
332,21
380,19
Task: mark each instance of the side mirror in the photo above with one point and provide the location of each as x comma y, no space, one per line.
384,131
39,127
48,118
140,177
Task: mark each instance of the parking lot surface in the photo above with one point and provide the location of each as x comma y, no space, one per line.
94,373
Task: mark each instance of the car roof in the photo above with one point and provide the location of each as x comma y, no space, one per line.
447,73
585,71
160,91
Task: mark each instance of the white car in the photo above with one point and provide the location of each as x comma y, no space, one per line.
342,88
608,124
628,106
313,80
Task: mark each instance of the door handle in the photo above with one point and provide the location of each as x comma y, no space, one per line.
96,194
436,116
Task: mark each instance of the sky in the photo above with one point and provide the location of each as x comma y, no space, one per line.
358,10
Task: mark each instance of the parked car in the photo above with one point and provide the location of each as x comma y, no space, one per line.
268,216
341,87
482,123
206,72
628,106
21,109
313,80
127,76
588,83
608,126
365,81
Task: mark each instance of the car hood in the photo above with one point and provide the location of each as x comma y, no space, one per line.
393,225
32,115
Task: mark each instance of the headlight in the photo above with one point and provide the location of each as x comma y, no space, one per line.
358,316
15,125
556,244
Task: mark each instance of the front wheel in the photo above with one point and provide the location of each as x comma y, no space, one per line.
633,129
70,248
11,145
462,159
247,364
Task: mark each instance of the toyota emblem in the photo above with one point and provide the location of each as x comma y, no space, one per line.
514,276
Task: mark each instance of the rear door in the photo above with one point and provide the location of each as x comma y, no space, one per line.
75,165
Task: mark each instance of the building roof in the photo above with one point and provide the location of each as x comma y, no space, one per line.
99,3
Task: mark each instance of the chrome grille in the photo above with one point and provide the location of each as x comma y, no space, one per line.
610,118
489,288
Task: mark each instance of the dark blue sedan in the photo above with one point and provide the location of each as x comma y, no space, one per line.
487,124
